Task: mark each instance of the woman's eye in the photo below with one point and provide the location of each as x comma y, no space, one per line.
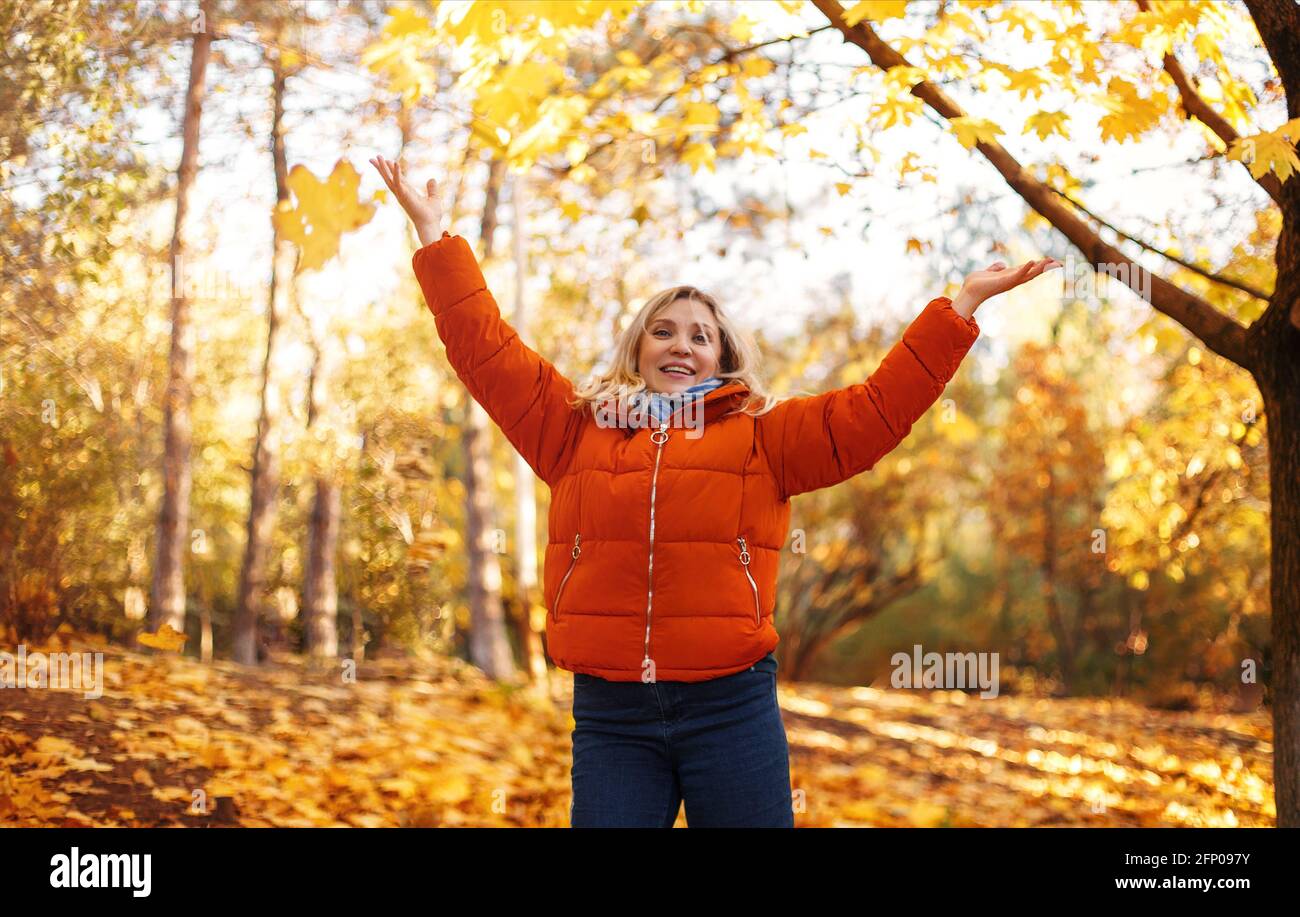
699,338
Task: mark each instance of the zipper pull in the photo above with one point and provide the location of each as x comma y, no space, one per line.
744,551
576,549
660,436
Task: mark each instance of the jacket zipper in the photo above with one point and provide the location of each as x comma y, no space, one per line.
744,559
658,437
573,563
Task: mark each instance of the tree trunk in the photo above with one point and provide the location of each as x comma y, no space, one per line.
1277,373
1064,649
250,599
167,603
489,648
320,590
529,630
1283,408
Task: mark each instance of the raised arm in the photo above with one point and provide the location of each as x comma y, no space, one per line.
520,390
818,441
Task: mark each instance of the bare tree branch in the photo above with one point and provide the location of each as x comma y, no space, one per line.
1207,274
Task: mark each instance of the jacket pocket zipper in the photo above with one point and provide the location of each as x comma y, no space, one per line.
744,560
577,549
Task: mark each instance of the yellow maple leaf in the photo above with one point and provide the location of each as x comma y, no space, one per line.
875,10
404,21
1269,151
899,110
1046,123
901,79
325,210
166,638
1130,114
970,131
701,116
742,29
398,54
1024,81
697,155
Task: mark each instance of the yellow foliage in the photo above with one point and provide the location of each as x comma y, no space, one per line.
435,742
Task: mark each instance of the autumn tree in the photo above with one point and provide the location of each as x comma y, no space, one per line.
67,184
265,476
167,600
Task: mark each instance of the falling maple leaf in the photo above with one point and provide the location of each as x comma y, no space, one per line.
325,211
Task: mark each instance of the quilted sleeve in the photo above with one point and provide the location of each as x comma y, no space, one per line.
520,390
820,440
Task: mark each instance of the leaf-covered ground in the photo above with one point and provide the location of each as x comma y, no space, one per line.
176,742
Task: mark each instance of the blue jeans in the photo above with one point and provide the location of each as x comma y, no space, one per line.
640,749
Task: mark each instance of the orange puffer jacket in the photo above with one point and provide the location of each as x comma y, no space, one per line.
663,544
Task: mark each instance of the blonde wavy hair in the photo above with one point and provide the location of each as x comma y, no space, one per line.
740,359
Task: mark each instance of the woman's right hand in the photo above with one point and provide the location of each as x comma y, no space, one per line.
423,208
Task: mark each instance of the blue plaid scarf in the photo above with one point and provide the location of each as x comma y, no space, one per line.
660,407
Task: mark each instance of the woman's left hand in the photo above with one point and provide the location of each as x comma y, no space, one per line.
994,279
424,209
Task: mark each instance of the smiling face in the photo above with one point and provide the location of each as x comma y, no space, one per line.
683,335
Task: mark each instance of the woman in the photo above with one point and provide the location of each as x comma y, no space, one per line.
661,561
